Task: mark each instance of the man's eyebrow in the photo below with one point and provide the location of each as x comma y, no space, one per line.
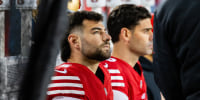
96,28
148,28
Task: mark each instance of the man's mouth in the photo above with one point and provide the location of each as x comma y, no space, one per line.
106,46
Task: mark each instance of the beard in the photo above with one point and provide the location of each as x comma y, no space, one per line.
96,53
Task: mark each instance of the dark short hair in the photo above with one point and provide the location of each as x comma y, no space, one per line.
126,15
76,20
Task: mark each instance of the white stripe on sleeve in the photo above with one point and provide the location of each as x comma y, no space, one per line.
118,84
114,71
116,78
64,98
65,85
65,78
65,92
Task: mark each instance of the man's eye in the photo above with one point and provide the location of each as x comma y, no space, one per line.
146,30
96,32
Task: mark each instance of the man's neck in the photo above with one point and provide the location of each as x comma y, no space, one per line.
92,65
120,51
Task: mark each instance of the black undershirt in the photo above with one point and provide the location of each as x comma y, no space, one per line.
137,68
99,73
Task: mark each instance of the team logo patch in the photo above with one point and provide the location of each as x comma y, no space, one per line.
111,60
62,71
65,65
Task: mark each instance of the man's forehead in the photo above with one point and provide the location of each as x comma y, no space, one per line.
86,22
92,24
145,22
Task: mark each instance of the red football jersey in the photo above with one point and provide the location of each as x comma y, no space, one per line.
76,82
126,82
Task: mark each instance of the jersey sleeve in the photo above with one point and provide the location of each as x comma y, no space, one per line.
65,84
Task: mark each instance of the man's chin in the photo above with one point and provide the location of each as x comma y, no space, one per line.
102,55
149,52
107,54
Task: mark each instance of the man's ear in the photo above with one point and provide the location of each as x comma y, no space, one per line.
125,34
74,40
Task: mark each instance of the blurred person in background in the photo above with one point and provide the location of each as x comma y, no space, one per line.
153,91
130,28
80,76
146,61
176,49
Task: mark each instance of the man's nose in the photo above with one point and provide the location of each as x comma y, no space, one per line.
151,36
106,37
